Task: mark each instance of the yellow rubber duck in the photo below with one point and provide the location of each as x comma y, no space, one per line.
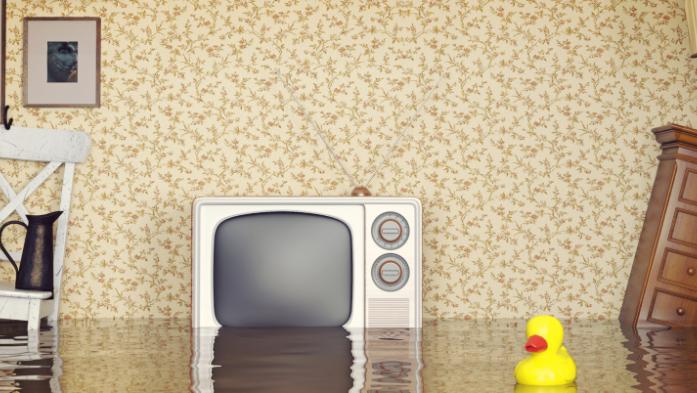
549,363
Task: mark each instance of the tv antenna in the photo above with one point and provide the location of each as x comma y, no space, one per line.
358,189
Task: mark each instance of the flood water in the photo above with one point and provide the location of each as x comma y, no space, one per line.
445,356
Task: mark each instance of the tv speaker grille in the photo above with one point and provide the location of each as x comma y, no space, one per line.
388,312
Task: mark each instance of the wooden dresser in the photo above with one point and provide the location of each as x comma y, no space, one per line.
662,288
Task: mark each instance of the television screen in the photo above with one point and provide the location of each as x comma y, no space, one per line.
282,269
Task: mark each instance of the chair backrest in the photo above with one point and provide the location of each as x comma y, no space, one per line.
56,148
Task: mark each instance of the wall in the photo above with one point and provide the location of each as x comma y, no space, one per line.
531,150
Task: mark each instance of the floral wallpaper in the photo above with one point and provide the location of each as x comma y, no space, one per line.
523,126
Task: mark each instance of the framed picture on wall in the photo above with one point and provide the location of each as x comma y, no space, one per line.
61,61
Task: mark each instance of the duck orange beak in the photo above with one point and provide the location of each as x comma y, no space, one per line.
535,343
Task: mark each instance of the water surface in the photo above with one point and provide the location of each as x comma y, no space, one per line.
444,356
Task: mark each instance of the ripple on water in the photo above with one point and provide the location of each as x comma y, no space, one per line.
446,356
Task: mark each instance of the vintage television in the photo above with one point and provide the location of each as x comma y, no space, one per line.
352,262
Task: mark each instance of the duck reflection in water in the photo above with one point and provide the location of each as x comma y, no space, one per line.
544,389
323,360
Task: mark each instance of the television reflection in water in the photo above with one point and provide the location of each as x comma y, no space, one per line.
306,360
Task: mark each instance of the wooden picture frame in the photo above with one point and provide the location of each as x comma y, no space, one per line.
62,62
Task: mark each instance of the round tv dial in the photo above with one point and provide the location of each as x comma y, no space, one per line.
390,272
390,230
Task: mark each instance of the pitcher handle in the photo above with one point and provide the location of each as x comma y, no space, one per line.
2,247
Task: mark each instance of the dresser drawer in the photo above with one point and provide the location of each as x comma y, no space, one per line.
679,268
673,309
688,190
684,228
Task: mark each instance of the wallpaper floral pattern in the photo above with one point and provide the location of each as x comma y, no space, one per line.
523,126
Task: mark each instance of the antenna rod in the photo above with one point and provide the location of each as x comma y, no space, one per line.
318,130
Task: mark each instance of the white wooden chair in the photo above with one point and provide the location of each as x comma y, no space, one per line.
56,148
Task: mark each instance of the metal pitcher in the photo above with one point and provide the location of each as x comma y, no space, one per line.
35,270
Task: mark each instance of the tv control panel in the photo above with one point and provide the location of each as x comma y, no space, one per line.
393,268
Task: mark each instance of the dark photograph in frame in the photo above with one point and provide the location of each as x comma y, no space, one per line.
61,61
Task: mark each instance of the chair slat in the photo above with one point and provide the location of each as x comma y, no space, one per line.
61,235
10,194
38,144
18,199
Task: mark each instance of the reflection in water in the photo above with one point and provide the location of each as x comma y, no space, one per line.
275,360
545,389
392,360
664,360
306,360
457,356
28,364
